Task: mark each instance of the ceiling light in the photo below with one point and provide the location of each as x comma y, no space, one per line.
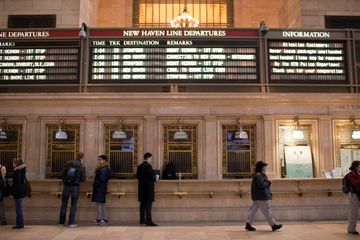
180,134
297,133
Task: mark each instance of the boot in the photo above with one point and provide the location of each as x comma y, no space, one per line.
249,227
276,227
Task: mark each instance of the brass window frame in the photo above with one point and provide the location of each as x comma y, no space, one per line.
11,148
61,147
251,145
109,142
174,146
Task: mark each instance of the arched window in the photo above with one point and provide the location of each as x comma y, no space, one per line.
159,13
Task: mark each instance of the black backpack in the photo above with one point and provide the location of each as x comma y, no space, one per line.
346,184
72,176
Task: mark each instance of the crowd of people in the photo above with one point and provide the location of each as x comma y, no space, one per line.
74,173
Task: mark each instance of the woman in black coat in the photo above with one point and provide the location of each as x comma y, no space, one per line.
18,190
102,175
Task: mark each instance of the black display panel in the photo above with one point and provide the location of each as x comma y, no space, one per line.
30,60
173,60
307,62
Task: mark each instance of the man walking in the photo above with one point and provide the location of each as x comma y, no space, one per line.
261,196
146,196
72,175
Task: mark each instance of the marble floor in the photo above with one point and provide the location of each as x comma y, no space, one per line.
197,231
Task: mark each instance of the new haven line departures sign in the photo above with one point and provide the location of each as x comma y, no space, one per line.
217,56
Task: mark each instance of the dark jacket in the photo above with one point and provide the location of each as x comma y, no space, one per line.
354,179
81,176
18,185
146,179
102,175
260,187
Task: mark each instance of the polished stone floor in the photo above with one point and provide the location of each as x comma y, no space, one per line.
196,231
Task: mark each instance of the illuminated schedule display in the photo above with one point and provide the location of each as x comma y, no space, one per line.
162,56
310,61
39,57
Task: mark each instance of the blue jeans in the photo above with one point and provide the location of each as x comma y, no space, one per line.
19,212
68,191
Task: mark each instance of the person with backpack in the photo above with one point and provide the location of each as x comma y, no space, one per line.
353,196
102,175
2,195
19,190
73,173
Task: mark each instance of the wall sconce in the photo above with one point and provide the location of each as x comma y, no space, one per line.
356,132
62,135
180,134
118,133
3,134
241,134
263,28
297,133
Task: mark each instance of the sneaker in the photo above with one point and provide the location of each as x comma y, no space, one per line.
276,227
3,223
354,233
60,224
249,227
96,221
103,222
73,225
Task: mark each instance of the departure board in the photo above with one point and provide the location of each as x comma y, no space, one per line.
40,57
307,62
164,58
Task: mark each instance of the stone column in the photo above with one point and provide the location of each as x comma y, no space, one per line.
326,153
151,143
31,147
91,143
211,163
270,146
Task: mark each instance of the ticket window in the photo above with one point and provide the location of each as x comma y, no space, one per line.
347,144
10,145
295,149
62,146
121,145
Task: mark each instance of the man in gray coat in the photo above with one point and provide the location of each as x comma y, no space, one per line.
261,196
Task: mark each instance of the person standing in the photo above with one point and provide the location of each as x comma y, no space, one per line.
18,190
2,206
353,196
102,175
261,196
146,189
73,173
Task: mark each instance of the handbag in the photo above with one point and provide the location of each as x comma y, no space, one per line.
27,188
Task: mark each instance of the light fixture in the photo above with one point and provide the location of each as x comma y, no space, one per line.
263,28
180,134
62,135
3,134
356,133
297,133
118,133
82,33
241,134
184,20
